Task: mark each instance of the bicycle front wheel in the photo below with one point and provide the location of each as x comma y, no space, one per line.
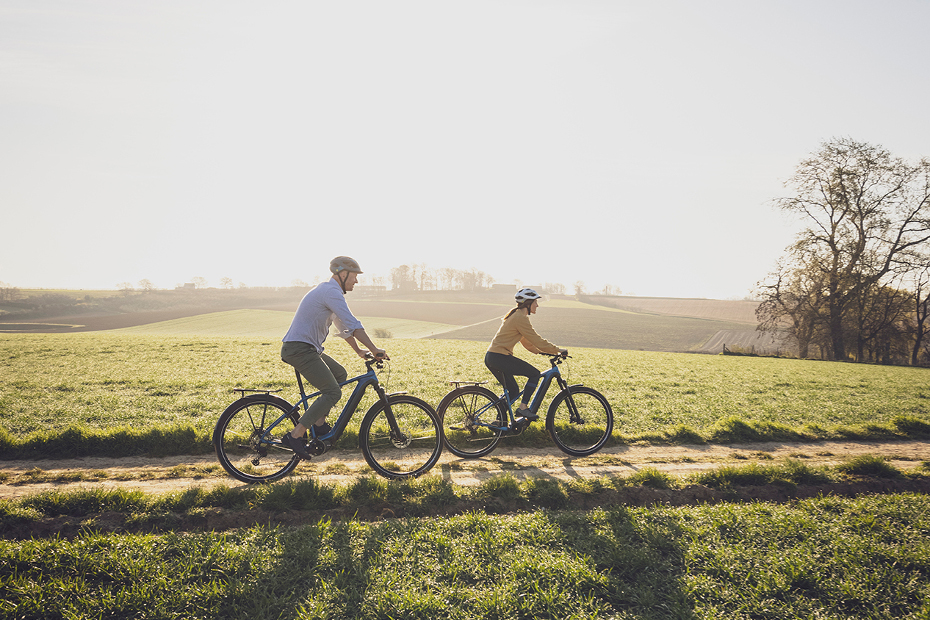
471,421
579,420
243,445
403,440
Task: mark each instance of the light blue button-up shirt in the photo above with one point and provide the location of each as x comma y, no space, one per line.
320,308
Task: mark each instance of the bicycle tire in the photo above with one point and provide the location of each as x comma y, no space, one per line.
409,455
238,433
457,412
590,433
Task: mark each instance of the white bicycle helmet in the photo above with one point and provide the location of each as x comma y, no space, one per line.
525,294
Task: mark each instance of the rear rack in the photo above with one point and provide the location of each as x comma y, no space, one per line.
242,391
459,384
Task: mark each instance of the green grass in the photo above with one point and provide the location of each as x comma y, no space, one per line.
272,324
137,393
371,497
827,557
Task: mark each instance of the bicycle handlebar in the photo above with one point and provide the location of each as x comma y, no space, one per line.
371,360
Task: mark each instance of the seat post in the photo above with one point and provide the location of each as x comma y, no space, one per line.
300,384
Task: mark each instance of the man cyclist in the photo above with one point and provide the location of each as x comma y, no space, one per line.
320,308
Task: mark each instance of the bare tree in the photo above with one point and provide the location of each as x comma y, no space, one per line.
920,301
865,210
447,278
8,292
403,278
791,301
199,282
146,285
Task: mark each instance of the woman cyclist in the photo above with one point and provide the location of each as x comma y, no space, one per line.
500,360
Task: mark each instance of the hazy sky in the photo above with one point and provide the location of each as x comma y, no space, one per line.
636,144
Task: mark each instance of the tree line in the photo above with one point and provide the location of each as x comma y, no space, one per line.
855,283
421,277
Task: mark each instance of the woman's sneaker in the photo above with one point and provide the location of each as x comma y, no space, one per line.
299,446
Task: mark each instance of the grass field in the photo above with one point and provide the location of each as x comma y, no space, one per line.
828,557
866,557
273,324
105,383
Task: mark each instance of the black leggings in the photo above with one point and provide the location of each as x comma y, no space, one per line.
504,367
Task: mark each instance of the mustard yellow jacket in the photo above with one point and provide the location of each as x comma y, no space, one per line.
517,328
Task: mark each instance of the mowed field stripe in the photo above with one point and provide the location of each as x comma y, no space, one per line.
273,324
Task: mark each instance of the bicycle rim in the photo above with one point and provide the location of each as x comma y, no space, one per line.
241,442
580,420
468,414
412,452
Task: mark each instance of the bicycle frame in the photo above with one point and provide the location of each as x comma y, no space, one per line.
362,382
545,381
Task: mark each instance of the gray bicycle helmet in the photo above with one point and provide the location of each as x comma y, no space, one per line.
525,294
344,263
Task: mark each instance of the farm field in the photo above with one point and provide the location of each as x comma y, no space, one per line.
273,324
659,325
737,311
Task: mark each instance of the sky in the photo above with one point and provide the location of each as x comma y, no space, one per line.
632,144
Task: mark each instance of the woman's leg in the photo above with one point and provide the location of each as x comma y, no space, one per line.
504,367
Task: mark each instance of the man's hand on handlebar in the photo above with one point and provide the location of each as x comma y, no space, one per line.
380,354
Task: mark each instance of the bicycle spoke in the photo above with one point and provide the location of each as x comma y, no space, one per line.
242,442
471,421
403,440
580,420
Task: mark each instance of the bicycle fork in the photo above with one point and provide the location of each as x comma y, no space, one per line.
398,438
574,417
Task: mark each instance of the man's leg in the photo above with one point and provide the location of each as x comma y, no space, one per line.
320,371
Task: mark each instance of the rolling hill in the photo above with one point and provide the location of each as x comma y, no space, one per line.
632,323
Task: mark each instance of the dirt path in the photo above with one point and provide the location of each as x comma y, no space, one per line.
164,475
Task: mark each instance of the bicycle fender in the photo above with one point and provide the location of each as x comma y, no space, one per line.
397,393
260,397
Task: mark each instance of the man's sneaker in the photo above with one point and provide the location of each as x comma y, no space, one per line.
299,446
321,429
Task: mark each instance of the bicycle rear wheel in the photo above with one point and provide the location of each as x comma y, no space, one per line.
579,420
242,444
406,449
468,414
